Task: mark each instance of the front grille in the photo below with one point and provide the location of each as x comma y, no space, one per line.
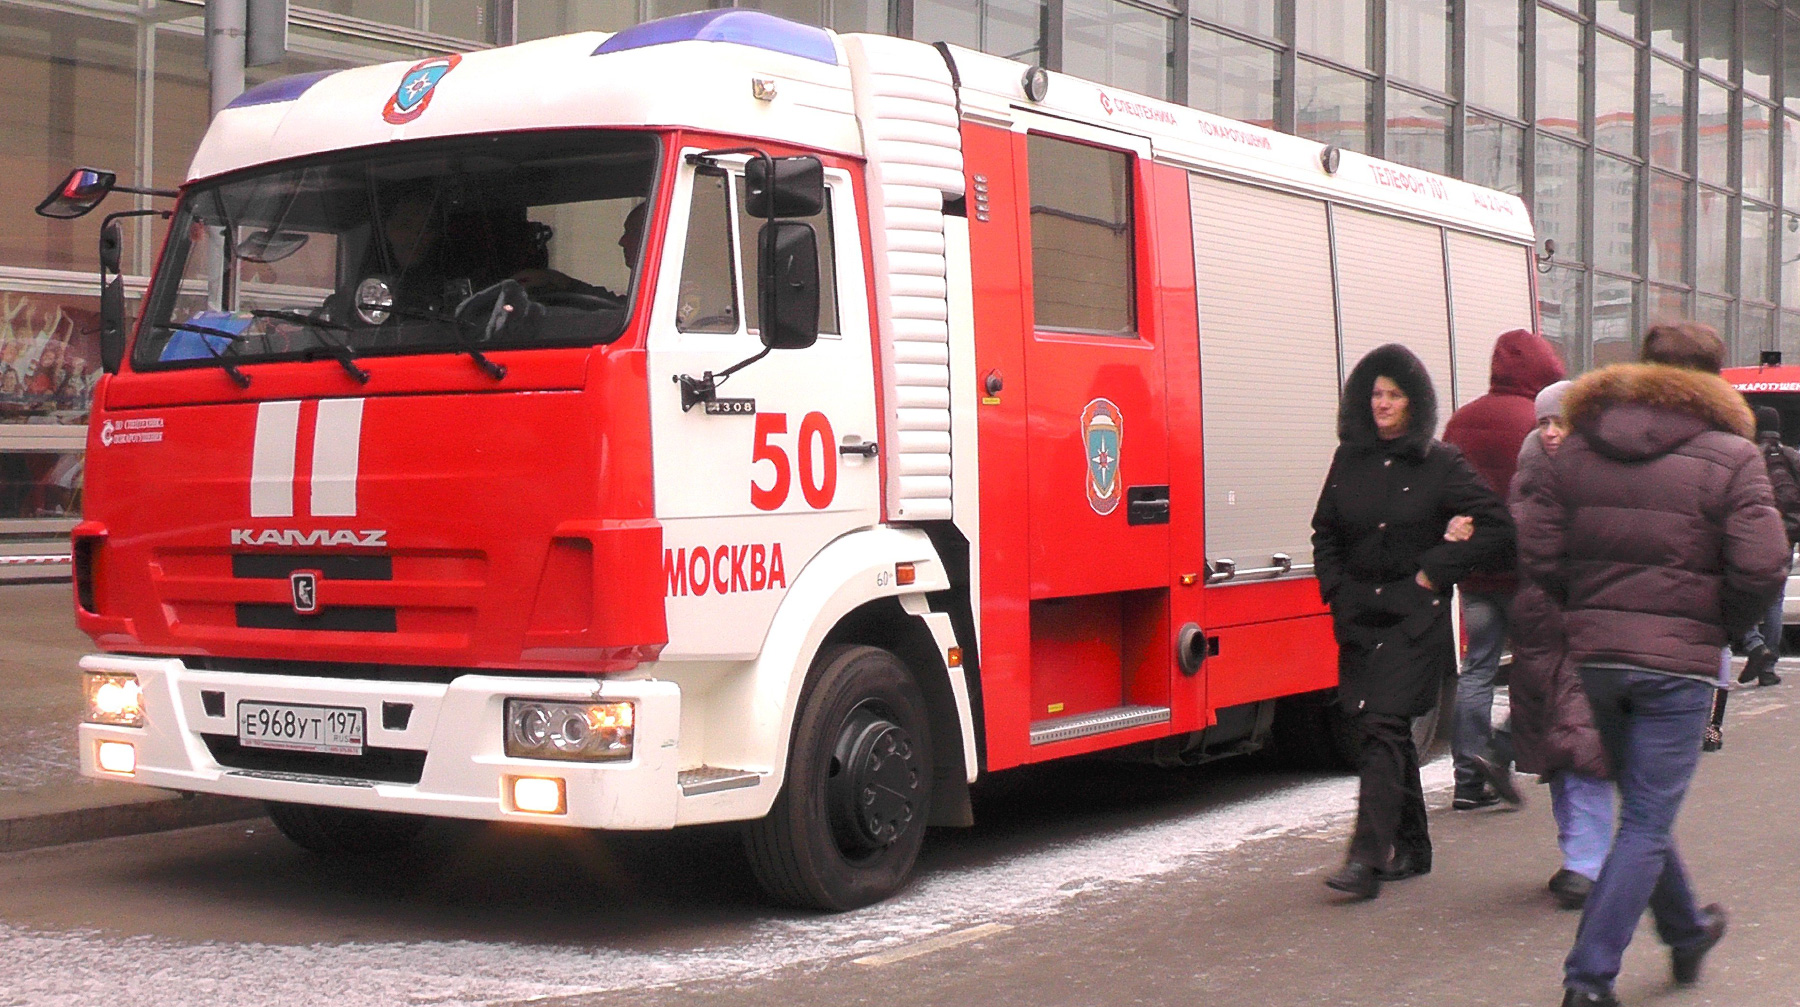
367,672
380,765
343,619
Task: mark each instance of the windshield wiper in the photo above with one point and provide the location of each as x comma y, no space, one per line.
239,377
457,323
339,352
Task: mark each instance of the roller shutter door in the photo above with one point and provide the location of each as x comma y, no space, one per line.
1490,292
1391,288
1268,367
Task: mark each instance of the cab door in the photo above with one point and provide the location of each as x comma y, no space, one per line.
1097,445
749,492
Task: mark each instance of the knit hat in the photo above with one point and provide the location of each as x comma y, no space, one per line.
1768,421
1550,400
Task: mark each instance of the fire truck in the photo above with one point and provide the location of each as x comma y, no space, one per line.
730,420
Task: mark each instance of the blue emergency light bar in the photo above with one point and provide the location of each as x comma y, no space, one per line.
280,89
745,27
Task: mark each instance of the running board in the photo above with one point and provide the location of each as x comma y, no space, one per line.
1043,732
712,779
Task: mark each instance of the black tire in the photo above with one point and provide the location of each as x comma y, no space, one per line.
861,741
344,831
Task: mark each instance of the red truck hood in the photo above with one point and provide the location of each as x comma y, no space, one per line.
492,524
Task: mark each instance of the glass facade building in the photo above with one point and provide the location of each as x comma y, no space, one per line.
1657,142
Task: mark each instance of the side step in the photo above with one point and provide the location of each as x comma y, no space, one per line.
712,779
1081,725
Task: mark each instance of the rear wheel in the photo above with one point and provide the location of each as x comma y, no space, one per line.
846,828
338,831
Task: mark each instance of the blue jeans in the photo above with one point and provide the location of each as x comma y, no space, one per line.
1583,806
1768,632
1484,620
1651,725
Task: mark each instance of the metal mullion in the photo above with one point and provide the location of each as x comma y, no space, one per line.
1528,102
1181,52
1455,78
900,18
1376,50
1287,112
1055,17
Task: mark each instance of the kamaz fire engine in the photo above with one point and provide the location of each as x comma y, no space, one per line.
730,420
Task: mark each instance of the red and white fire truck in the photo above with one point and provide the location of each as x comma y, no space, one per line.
730,420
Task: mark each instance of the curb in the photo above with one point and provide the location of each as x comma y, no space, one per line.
54,816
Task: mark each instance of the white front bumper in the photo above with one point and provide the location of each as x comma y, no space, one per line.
458,726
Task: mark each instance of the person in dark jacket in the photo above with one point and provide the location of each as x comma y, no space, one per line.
1657,535
1386,569
1553,731
1762,644
1489,431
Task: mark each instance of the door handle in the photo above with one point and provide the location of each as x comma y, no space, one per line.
867,449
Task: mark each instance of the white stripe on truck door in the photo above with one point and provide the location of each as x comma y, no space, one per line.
272,464
337,451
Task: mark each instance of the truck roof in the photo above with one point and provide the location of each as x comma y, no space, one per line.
696,71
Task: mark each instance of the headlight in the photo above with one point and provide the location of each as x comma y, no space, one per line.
113,698
574,732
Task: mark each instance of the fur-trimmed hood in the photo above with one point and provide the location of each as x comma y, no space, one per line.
1632,411
1356,421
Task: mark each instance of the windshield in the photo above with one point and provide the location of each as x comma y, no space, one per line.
469,244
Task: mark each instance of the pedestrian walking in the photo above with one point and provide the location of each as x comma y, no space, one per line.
1762,644
1386,569
1553,733
1489,431
1656,533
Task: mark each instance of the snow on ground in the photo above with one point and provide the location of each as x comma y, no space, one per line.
85,968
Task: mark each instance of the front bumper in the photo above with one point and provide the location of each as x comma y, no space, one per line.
455,728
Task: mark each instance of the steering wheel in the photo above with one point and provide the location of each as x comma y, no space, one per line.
575,299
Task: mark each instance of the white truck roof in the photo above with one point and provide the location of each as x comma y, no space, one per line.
697,71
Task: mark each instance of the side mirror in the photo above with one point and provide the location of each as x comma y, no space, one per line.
78,194
787,276
112,297
798,189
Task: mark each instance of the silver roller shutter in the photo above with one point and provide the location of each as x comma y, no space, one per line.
1490,292
1268,367
1391,288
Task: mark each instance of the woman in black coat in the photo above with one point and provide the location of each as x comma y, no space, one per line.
1386,567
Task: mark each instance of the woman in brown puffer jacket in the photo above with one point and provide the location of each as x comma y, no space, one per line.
1553,729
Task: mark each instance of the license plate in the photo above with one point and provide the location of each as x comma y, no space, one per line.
333,730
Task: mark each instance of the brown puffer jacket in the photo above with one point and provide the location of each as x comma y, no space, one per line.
1552,723
1656,532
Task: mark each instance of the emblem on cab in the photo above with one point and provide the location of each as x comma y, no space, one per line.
416,88
305,585
1102,435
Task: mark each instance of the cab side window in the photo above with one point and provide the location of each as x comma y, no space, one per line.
1081,237
748,229
707,301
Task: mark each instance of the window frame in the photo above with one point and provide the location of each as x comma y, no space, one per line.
1137,154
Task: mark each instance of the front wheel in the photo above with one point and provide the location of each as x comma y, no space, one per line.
846,828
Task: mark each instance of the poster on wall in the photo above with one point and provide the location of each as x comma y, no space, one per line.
49,357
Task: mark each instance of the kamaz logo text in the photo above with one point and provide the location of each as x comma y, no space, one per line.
319,536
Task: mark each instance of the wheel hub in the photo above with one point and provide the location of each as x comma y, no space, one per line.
875,784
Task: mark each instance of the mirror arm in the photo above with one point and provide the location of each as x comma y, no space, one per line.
711,157
705,388
139,190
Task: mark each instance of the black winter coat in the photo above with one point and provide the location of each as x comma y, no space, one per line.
1380,520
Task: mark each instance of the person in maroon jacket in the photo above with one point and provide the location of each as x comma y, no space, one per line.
1489,431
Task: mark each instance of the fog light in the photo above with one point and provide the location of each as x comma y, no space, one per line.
116,757
113,698
571,732
538,794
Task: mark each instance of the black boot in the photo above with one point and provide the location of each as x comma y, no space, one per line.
1571,888
1356,879
1686,961
1576,998
1406,864
1759,662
